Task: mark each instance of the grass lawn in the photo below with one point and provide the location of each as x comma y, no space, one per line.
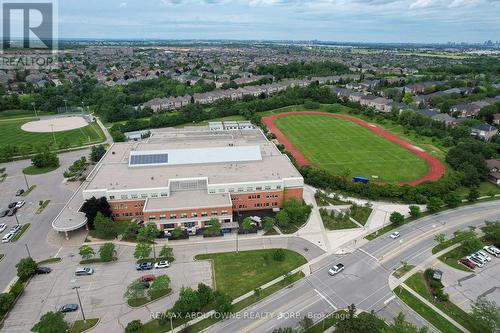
485,188
137,302
336,223
49,261
403,270
361,213
80,325
28,191
32,170
238,273
41,207
14,135
426,312
1,256
241,305
340,145
451,259
21,232
204,123
417,282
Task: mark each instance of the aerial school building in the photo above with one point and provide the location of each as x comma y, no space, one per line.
185,177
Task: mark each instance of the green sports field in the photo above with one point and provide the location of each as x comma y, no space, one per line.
12,134
344,147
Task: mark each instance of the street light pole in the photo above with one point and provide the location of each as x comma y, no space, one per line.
28,250
80,302
15,215
53,135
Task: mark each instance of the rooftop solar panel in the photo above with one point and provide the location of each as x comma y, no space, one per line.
148,159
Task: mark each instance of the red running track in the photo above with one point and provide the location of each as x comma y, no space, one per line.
436,169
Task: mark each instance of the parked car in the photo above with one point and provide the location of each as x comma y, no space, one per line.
15,228
162,264
84,271
478,263
336,269
68,308
468,263
4,213
19,192
492,250
7,237
395,234
12,211
145,266
12,204
147,278
20,204
3,226
43,270
479,258
483,255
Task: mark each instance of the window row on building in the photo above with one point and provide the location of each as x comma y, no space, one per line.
244,189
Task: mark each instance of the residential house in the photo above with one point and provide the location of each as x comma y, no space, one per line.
445,118
484,131
494,168
496,119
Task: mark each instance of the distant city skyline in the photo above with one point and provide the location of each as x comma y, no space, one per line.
384,21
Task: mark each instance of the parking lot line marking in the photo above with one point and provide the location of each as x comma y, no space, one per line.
325,299
57,253
389,299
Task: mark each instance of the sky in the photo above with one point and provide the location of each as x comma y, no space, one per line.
412,21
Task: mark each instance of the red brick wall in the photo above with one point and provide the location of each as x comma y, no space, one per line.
296,193
127,210
257,200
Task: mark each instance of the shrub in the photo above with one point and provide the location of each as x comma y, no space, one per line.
279,255
134,326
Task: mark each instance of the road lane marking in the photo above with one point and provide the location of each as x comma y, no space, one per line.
325,299
387,301
368,254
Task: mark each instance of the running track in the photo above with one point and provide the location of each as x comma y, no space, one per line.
436,169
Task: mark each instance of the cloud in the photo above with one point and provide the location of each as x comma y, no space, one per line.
123,5
422,4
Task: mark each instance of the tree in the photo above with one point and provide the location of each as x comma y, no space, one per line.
397,218
135,326
486,315
104,227
471,243
107,252
434,204
188,301
86,252
97,152
415,211
148,233
440,238
45,159
492,231
26,267
166,253
282,218
51,322
246,225
452,200
213,228
223,303
142,251
93,206
131,230
205,294
135,290
269,223
305,323
473,194
400,325
408,98
177,233
159,285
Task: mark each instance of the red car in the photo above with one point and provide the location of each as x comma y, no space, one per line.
467,263
147,278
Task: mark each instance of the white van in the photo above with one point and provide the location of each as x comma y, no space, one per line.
7,237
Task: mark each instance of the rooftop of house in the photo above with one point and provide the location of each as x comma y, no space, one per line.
187,200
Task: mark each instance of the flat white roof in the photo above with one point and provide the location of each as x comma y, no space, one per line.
191,156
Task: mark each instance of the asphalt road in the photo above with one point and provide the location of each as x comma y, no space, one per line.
364,282
50,186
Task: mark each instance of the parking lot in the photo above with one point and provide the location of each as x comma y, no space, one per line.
101,293
464,287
